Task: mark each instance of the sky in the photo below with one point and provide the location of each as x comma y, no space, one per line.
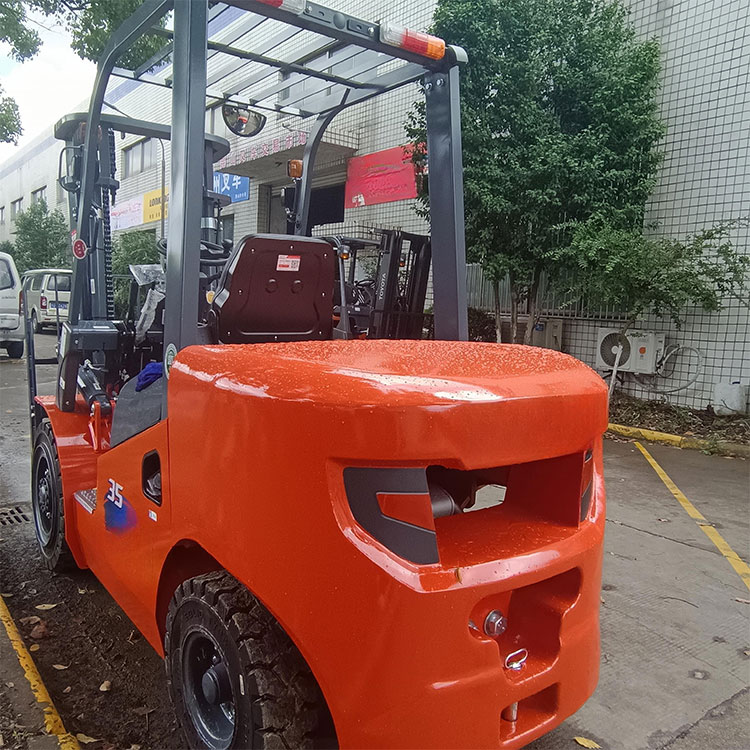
46,87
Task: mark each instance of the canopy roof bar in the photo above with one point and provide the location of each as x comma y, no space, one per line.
385,82
323,20
315,44
211,94
309,52
167,49
371,61
315,69
266,47
300,70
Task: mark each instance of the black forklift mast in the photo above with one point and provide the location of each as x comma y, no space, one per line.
325,36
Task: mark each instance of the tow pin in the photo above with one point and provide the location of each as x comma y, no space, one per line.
514,662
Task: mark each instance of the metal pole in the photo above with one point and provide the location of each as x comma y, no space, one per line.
304,187
446,204
188,125
163,189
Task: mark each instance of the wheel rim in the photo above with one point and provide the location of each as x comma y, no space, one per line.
209,697
45,496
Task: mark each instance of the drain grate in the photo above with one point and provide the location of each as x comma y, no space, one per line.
13,515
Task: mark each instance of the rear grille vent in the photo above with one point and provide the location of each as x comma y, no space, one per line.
14,515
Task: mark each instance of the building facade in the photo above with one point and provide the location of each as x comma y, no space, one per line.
705,177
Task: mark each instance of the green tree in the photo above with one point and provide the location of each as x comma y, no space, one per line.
560,124
42,239
655,275
90,22
10,119
130,248
133,247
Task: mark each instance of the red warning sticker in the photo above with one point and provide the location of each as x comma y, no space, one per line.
288,263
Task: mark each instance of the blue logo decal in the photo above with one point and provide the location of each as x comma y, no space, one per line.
119,515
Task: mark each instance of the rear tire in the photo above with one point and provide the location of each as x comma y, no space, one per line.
235,678
15,349
35,326
47,501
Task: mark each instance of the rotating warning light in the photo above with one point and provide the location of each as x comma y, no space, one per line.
413,41
293,6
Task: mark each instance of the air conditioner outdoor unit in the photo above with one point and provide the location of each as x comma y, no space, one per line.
641,350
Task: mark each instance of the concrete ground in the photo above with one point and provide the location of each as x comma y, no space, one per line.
675,616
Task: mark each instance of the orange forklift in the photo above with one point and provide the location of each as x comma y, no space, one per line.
334,541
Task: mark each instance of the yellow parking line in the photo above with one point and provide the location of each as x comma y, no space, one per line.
740,566
53,723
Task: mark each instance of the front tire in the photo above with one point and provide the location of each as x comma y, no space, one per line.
47,501
235,678
15,349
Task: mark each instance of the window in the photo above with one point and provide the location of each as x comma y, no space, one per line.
15,208
60,282
227,228
2,215
36,282
39,195
6,278
139,157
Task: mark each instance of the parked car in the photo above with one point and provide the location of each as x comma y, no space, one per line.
47,296
11,320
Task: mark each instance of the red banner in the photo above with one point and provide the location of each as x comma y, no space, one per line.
381,177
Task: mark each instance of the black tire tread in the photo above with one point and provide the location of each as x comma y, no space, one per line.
288,707
15,349
64,560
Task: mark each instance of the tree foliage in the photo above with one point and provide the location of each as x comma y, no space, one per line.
662,276
10,119
90,22
133,247
42,239
560,124
130,248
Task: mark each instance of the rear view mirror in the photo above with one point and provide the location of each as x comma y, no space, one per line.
69,168
242,121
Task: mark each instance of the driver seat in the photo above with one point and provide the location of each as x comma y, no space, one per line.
275,288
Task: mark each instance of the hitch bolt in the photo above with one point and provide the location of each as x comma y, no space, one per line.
495,624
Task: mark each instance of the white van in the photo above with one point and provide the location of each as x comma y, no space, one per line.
11,321
47,296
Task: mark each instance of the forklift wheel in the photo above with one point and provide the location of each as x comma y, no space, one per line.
235,678
47,501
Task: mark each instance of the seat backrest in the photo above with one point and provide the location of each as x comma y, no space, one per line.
275,288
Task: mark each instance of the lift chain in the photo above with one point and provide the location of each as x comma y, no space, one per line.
107,229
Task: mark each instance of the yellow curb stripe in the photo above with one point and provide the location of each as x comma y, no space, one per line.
53,723
644,434
740,566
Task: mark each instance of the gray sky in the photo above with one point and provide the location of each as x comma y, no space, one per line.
54,82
